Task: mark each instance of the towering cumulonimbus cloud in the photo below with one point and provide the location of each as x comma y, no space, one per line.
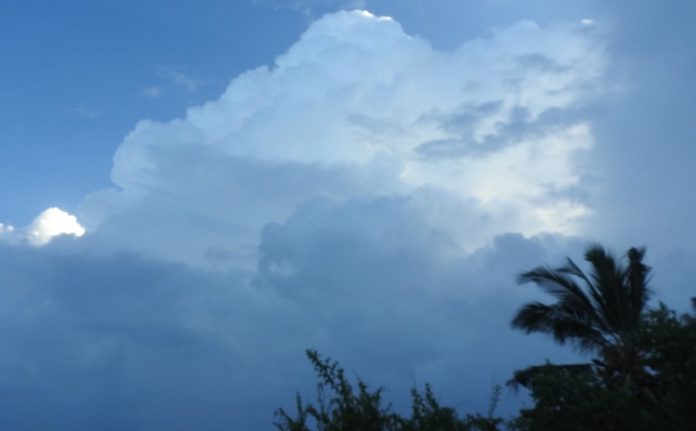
484,135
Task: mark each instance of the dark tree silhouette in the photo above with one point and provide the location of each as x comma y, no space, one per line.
644,379
599,311
340,407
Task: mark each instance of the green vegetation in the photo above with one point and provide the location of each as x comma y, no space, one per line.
643,376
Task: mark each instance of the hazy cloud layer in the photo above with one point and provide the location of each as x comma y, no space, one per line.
118,341
114,341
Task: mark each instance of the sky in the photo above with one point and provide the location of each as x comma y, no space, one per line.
193,193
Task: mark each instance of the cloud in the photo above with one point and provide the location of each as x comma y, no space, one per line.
142,344
647,163
178,78
51,223
389,295
364,281
346,112
152,92
366,195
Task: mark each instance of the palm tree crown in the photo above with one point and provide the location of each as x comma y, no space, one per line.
599,311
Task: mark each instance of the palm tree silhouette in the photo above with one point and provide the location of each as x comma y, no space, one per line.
597,312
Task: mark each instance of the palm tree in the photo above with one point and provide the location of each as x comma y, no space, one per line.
600,311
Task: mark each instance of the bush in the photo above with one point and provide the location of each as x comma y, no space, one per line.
340,408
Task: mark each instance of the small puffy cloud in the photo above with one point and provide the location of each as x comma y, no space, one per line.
487,133
51,223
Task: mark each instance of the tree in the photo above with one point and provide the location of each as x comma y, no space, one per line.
668,342
340,407
579,398
576,398
600,311
344,410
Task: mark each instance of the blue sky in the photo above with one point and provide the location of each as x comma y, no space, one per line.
77,73
195,192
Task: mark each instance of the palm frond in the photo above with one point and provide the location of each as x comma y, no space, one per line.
568,293
636,279
573,269
561,323
608,277
557,284
596,310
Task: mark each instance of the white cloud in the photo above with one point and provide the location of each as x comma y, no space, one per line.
357,107
51,223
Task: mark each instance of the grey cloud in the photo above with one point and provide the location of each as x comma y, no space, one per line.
142,344
120,341
104,340
211,208
538,62
647,162
395,300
